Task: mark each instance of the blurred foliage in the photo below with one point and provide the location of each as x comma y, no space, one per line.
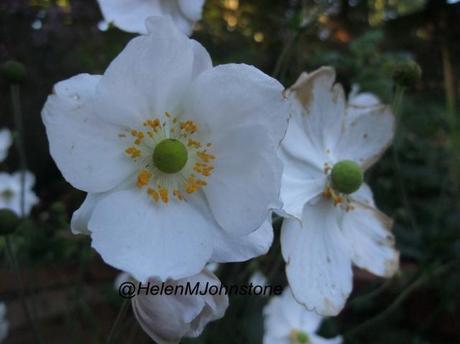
417,181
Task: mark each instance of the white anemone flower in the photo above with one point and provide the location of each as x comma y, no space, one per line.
4,323
178,157
168,318
334,221
10,192
130,15
288,322
5,142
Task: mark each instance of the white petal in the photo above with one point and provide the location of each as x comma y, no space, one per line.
131,15
192,9
231,248
318,266
367,136
201,61
367,234
88,151
146,239
315,339
229,96
10,192
166,319
6,140
364,99
246,180
323,106
81,216
148,78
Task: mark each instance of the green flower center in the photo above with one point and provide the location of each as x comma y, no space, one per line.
170,156
299,337
346,176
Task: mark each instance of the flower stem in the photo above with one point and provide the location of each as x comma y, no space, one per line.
21,290
17,115
121,314
398,97
18,122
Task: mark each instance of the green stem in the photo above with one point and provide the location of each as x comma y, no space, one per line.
21,287
121,314
18,122
398,97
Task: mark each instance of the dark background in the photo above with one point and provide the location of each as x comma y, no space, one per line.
418,184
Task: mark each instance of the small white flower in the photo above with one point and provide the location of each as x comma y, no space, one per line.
4,323
333,222
288,322
5,142
130,15
178,157
258,279
168,318
10,192
362,99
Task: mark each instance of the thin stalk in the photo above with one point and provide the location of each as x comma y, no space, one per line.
398,97
17,115
21,287
121,314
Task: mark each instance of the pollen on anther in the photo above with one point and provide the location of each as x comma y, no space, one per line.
153,194
143,178
163,194
133,152
206,157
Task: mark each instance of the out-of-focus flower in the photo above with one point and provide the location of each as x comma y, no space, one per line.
288,322
10,192
168,318
362,99
5,142
333,221
258,278
178,157
130,15
4,324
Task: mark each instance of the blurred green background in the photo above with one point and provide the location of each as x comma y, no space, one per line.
417,182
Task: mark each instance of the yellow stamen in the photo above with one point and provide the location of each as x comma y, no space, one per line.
163,194
153,194
143,178
206,157
133,152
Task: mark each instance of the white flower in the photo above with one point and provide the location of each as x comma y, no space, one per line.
5,142
130,15
362,99
178,157
4,323
258,279
288,322
327,146
168,318
10,192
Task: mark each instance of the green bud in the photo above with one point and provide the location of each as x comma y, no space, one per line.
346,176
407,74
13,71
299,337
9,222
170,156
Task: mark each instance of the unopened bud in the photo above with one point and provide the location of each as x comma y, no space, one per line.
9,221
13,71
407,74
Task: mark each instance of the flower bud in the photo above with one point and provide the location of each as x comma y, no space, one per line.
346,176
13,71
407,74
168,318
9,222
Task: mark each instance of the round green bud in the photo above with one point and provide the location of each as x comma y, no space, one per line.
13,71
170,156
407,74
346,176
9,222
299,337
